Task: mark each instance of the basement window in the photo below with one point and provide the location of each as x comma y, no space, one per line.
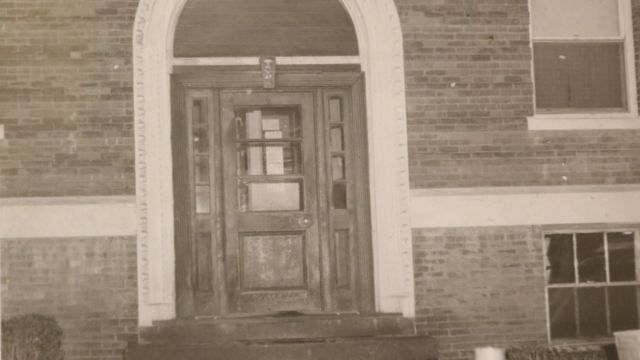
583,64
592,284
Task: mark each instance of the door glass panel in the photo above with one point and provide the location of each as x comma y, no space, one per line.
273,260
203,203
335,109
270,196
197,113
270,159
201,165
268,123
337,167
339,195
200,140
337,142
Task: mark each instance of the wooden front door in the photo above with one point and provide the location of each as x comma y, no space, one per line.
271,224
271,196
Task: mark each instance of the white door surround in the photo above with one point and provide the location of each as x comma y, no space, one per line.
381,57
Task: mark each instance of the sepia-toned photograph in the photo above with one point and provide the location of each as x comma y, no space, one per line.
319,179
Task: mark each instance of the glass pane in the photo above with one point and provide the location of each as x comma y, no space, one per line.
203,203
337,138
273,261
592,311
575,18
339,196
591,263
201,165
270,196
279,159
198,113
562,313
269,123
622,265
579,76
203,261
560,258
337,167
200,140
341,238
335,110
623,307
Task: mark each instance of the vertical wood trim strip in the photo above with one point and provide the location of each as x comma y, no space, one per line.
182,201
365,290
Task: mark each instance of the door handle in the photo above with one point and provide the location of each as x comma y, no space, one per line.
303,221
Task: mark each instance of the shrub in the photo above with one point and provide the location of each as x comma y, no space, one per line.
31,337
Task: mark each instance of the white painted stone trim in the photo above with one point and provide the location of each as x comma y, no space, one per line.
67,217
381,57
552,205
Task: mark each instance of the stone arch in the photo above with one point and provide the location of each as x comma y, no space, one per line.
379,35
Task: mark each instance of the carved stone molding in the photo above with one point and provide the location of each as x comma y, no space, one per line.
381,55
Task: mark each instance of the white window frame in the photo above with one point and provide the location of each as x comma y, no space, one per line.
607,283
590,120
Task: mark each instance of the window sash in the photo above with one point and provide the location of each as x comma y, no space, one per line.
576,287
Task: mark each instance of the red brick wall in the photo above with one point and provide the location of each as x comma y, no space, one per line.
469,89
88,284
479,287
66,97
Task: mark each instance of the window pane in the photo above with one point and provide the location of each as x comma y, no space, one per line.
339,196
268,123
591,263
575,18
335,110
592,310
200,140
198,113
270,196
203,203
623,307
337,137
560,257
579,76
562,313
621,256
269,159
337,168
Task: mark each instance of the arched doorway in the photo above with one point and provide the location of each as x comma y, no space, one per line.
380,56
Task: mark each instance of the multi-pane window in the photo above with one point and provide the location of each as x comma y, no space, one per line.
579,55
592,283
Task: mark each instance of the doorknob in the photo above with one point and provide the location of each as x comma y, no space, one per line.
302,221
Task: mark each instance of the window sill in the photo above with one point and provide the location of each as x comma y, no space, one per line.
583,122
582,342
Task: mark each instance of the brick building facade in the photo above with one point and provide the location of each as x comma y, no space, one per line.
67,110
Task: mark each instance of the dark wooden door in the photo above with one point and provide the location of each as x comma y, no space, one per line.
272,258
271,196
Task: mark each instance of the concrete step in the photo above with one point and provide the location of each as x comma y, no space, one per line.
350,348
287,327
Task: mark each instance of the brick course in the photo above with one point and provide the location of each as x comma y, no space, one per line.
88,284
66,97
479,287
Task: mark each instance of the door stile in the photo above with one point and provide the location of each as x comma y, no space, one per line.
324,221
360,159
182,204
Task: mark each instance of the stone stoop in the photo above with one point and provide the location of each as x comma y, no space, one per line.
313,337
